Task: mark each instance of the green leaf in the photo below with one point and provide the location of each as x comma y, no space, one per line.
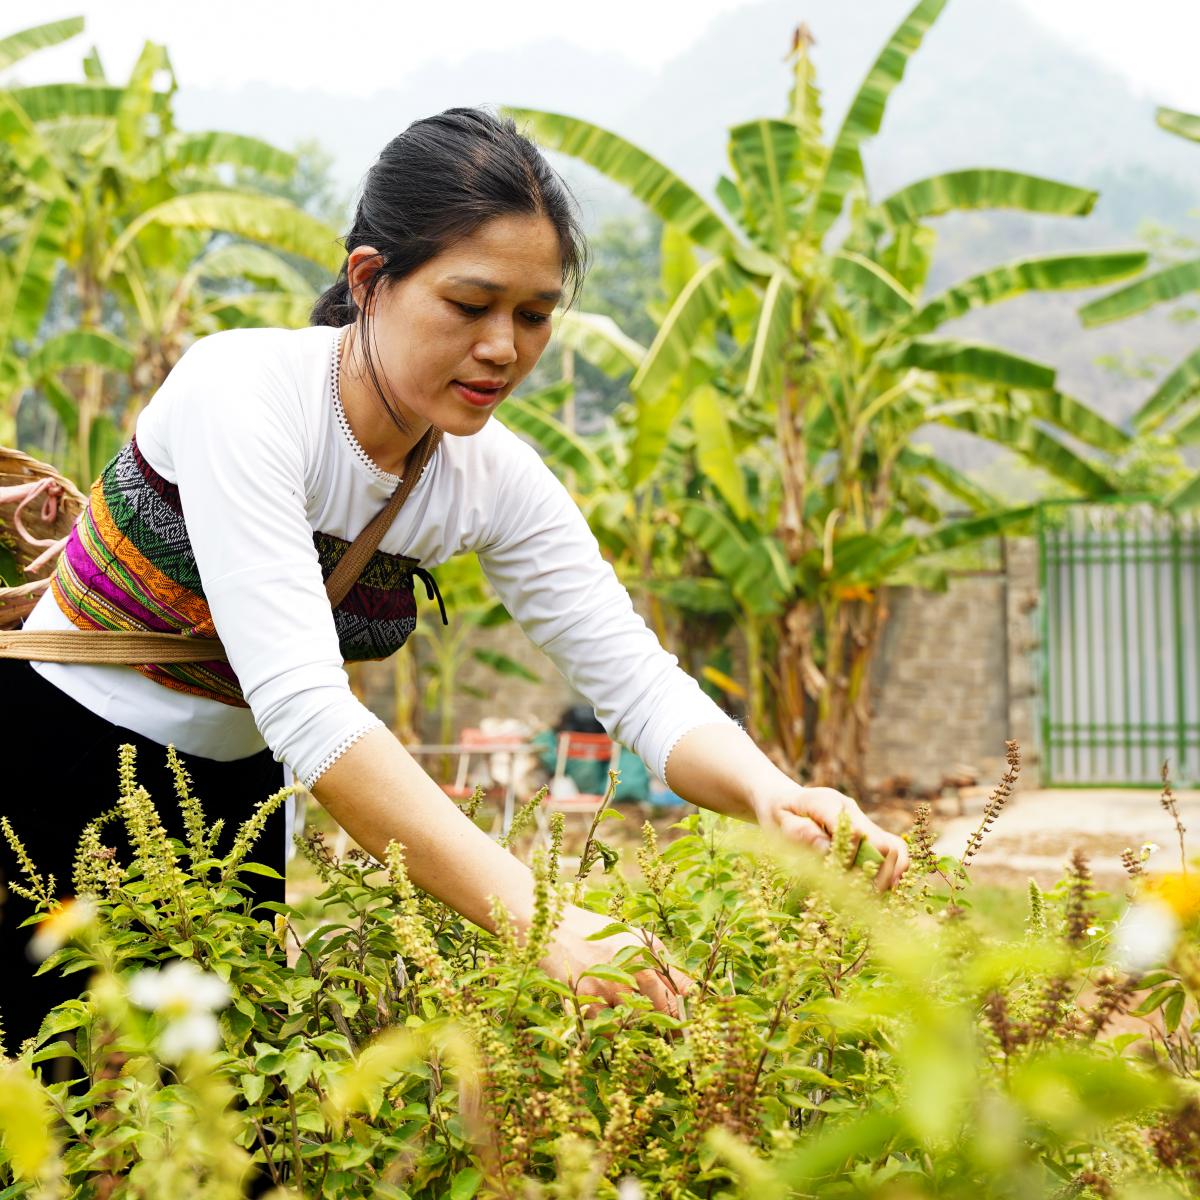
267,309
771,334
137,98
948,478
844,167
1176,390
1157,288
1074,418
213,147
466,1183
239,260
17,45
267,219
707,596
565,450
79,347
30,273
659,188
988,363
985,188
754,571
1052,273
678,262
504,665
253,1087
862,277
1186,496
694,308
1173,121
767,156
715,452
599,340
974,529
1042,450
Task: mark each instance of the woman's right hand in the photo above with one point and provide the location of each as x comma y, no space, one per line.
571,954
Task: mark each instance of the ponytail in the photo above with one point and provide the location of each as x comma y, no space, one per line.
334,306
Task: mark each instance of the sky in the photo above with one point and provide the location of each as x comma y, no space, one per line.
351,46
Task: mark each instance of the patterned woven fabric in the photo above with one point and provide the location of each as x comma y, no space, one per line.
129,565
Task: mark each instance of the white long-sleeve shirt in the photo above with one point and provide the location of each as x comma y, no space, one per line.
248,427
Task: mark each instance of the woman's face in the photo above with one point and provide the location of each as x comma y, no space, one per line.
457,335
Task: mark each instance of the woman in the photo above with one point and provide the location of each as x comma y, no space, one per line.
264,454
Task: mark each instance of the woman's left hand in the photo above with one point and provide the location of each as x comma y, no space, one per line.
809,815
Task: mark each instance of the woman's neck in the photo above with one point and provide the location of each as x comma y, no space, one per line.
384,444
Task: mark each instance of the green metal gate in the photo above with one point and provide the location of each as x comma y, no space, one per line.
1120,651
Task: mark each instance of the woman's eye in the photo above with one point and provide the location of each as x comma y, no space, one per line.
472,310
537,318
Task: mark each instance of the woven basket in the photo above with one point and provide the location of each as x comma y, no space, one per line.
38,508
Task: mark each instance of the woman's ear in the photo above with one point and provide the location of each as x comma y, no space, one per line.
361,265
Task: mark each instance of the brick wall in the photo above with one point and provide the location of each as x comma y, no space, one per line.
953,677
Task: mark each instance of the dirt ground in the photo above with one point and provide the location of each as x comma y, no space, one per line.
1038,830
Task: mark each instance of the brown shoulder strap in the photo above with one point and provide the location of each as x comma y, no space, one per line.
351,565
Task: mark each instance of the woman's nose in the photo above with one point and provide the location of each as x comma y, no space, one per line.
499,344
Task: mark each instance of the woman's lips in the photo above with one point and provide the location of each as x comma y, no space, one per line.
481,399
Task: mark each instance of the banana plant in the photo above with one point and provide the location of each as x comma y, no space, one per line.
124,220
803,322
1173,408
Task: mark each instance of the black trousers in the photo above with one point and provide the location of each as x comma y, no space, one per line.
58,771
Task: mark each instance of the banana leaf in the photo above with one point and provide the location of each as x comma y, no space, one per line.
844,169
972,359
772,331
985,188
949,478
17,45
214,147
1025,438
1184,497
1052,273
694,308
862,277
767,156
659,188
565,450
1153,289
77,347
600,340
716,454
1176,390
275,222
1185,124
755,571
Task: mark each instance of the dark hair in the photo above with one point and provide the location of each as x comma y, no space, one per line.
439,181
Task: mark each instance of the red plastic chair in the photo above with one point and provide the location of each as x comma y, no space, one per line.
589,747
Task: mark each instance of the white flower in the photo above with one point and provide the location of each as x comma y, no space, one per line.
1144,936
1093,930
179,989
1149,848
630,1189
187,996
197,1032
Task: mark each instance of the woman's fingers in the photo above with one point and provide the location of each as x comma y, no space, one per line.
803,830
827,804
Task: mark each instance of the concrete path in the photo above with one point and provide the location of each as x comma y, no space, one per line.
1038,830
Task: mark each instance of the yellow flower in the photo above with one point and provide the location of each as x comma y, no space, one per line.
59,926
1180,893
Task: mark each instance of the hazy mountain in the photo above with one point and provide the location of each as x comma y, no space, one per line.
989,87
